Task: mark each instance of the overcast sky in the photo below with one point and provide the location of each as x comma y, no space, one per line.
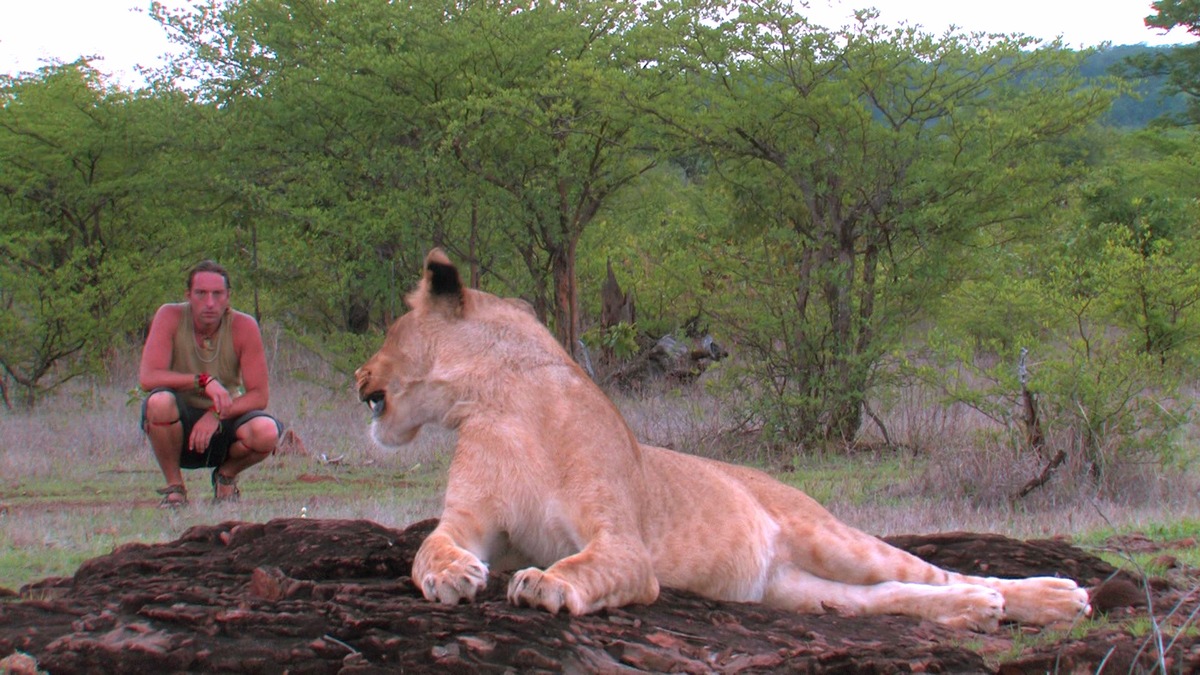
33,31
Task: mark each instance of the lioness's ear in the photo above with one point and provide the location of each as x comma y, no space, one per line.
441,282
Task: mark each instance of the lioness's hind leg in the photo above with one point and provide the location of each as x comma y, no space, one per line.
860,559
1041,600
967,606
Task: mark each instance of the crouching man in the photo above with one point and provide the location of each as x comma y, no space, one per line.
205,369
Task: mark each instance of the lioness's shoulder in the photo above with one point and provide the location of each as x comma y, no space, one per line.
522,305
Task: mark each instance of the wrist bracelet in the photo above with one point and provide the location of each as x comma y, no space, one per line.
216,414
202,380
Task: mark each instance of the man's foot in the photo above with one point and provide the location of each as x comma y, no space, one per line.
174,496
225,488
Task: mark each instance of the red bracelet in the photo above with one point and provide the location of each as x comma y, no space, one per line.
202,381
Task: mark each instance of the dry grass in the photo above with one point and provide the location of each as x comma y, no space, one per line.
77,476
951,470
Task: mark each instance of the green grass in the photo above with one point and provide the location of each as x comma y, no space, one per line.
1175,530
1166,530
1182,532
1143,626
1021,641
855,480
52,524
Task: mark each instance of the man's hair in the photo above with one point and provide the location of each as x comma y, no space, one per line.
208,266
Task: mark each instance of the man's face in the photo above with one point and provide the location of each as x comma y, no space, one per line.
208,297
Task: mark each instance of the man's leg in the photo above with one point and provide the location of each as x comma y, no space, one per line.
255,441
164,429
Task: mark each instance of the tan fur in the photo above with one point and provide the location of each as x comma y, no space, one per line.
548,479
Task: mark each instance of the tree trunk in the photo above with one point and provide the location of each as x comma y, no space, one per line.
473,245
616,308
566,299
846,378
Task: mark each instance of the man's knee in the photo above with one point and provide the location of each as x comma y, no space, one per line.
161,408
259,435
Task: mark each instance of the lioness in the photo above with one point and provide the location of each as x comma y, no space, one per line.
547,478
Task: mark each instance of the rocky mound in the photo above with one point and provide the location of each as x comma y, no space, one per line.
334,596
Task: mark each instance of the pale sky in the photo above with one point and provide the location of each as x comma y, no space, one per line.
33,31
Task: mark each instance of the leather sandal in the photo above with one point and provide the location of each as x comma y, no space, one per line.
222,481
174,496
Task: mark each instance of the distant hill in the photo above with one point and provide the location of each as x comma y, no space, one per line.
1134,112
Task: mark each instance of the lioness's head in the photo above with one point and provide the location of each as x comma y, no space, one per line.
395,383
456,349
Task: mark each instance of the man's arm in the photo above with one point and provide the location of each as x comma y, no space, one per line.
155,370
252,358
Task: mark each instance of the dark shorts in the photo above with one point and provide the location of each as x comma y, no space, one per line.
218,447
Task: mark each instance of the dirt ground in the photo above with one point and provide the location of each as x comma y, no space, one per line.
334,596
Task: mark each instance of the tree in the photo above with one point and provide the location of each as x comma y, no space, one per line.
86,235
1106,302
1180,65
862,161
546,125
1170,14
330,157
651,235
1141,206
490,129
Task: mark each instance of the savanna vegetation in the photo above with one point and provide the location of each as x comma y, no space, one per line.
949,249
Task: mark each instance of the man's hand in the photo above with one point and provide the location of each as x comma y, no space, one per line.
203,431
219,395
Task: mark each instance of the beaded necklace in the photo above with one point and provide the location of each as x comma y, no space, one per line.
215,351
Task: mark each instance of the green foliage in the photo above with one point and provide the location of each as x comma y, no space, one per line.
344,352
1104,299
1175,13
1098,400
860,162
549,128
328,164
83,223
653,234
1180,67
620,340
1148,97
1141,214
491,130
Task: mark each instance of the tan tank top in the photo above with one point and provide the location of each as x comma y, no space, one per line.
220,360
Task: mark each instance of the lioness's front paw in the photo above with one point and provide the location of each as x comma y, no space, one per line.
458,580
536,588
